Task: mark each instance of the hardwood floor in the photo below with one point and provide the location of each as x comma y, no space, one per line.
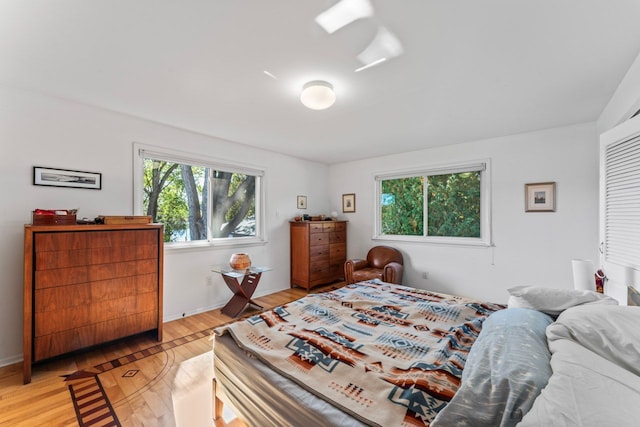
133,382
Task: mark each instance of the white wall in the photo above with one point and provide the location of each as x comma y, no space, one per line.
37,130
530,248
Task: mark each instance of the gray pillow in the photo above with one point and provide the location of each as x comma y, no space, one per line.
554,301
506,368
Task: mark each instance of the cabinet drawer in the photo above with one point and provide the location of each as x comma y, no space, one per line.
329,227
62,320
318,265
321,274
337,272
318,239
320,250
47,346
316,228
58,343
340,226
125,326
54,299
337,251
337,237
47,260
83,274
61,241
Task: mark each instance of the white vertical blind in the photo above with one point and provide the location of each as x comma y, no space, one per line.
622,202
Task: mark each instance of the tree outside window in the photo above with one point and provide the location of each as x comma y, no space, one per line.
199,203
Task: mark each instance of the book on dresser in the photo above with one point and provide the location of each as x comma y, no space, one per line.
318,252
86,285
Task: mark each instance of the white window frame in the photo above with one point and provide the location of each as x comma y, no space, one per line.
483,166
143,151
620,270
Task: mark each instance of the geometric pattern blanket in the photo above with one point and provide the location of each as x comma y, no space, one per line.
389,355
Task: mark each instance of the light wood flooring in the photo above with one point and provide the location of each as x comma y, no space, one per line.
144,381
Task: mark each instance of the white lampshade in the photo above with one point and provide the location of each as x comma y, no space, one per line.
317,95
583,274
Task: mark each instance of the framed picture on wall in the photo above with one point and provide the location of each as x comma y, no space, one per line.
540,197
349,202
66,178
302,202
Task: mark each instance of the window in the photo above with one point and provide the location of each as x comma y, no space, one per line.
441,205
198,200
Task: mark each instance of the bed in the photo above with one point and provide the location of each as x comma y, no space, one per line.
374,353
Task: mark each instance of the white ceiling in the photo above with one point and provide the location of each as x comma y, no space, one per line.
469,70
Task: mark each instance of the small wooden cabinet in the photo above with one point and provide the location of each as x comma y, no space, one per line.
318,252
89,284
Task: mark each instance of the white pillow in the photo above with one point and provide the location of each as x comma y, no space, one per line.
554,301
609,331
585,390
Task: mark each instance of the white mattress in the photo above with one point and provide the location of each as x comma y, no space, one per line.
265,398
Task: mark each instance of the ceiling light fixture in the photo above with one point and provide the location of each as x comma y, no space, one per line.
317,95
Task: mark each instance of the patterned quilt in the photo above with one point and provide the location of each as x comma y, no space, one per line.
389,355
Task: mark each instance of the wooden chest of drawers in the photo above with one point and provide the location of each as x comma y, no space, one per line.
89,284
318,252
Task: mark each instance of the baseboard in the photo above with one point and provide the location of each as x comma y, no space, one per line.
11,360
217,306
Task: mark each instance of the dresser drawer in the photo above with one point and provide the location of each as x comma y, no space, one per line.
338,251
337,237
329,227
316,228
318,239
318,251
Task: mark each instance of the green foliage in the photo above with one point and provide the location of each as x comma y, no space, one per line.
453,205
403,209
163,183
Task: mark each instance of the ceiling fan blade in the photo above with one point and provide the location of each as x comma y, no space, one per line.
343,13
384,46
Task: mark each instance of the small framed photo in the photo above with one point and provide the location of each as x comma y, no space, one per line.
66,178
349,202
540,197
302,202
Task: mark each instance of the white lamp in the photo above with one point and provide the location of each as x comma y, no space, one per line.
583,274
317,95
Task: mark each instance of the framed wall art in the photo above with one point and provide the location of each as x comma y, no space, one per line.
302,202
349,202
540,197
66,178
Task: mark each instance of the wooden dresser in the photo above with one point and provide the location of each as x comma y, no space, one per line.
89,284
318,252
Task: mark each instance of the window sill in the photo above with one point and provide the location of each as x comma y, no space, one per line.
461,241
200,245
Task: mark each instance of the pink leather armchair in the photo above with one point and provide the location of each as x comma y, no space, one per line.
383,262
